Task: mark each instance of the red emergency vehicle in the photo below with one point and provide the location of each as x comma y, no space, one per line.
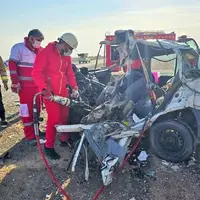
111,55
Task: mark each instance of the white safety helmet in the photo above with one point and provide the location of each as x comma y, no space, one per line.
70,39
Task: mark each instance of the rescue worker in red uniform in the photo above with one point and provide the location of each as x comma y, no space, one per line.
22,58
52,73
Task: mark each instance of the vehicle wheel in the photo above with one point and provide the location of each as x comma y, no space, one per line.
85,61
172,141
79,62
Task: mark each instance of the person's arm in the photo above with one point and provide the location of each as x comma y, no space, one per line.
71,76
3,72
12,64
14,59
39,70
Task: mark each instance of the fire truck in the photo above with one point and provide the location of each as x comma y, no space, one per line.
111,55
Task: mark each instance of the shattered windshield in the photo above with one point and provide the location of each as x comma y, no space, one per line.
190,61
191,43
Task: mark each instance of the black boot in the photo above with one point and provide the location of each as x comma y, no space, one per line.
4,123
42,134
51,153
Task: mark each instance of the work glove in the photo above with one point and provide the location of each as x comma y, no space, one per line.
47,94
5,84
74,94
15,88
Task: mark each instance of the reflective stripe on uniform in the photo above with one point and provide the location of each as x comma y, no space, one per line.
13,72
28,124
14,60
4,78
25,64
25,61
25,78
3,74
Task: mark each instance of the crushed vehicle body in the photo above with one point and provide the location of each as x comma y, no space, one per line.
91,83
138,108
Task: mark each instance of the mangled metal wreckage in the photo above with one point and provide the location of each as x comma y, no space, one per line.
91,83
172,121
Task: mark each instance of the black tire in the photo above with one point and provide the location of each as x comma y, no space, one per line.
176,133
79,62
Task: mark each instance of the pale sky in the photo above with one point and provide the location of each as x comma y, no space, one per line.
89,21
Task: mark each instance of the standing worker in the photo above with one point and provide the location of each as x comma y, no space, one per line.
21,63
4,79
52,73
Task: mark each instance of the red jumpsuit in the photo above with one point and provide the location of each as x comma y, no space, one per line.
22,58
54,72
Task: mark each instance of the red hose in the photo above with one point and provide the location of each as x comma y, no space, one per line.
99,192
130,153
50,170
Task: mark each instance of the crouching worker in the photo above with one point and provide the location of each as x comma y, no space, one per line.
52,73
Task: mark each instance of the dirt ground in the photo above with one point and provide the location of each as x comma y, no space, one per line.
24,177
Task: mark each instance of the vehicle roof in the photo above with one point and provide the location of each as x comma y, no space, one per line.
153,48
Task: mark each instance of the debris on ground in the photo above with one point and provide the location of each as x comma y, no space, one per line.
143,156
175,167
191,162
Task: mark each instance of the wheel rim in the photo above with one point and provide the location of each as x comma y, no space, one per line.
171,141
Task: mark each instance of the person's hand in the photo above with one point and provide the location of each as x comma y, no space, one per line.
75,94
5,85
74,103
15,88
47,94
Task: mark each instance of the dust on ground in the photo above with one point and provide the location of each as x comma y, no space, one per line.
24,177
